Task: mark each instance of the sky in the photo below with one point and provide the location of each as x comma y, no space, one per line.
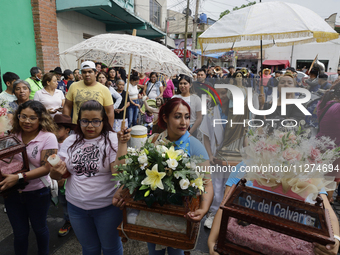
213,8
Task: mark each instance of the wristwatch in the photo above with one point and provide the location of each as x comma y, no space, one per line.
21,179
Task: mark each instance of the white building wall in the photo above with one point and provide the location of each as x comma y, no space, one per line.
142,9
164,4
71,26
327,51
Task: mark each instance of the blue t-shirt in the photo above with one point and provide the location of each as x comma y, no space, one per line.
191,146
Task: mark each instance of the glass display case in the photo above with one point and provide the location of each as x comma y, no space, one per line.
251,217
13,159
164,225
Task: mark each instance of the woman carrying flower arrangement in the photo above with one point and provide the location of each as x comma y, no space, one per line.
87,161
174,116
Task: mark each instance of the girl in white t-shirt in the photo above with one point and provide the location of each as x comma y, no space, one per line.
88,159
134,107
153,89
193,101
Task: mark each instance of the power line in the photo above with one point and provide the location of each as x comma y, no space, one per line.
214,1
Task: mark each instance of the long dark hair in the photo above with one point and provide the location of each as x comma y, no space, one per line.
331,94
108,73
189,80
92,105
46,122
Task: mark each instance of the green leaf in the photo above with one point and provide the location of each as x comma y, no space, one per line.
150,200
175,199
143,187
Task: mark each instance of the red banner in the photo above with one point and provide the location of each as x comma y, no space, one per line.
180,53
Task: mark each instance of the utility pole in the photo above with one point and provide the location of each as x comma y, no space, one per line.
186,33
194,32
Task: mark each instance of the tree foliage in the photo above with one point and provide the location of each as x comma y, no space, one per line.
237,8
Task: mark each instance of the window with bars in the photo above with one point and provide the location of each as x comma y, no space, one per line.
155,12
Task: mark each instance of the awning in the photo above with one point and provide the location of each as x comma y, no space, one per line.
117,16
213,55
276,63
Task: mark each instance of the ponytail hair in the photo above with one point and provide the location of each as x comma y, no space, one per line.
332,93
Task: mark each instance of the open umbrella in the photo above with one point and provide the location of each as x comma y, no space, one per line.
263,24
116,50
209,48
269,21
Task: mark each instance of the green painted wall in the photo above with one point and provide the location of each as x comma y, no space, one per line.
17,45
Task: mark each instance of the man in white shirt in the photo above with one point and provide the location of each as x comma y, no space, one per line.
8,96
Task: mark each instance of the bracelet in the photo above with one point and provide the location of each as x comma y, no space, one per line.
25,176
337,237
66,175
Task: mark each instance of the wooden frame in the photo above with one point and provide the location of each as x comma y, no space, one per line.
182,241
322,234
10,152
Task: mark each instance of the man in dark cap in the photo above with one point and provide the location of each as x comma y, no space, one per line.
59,73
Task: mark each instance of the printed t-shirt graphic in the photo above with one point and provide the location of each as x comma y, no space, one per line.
86,160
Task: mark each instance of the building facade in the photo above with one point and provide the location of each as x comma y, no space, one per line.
34,32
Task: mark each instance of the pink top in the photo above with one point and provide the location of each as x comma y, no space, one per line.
43,141
143,81
265,79
330,123
167,93
89,186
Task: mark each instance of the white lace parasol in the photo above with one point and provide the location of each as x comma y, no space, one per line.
115,50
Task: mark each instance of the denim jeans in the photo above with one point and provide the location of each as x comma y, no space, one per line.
171,251
96,229
63,203
133,113
265,91
25,207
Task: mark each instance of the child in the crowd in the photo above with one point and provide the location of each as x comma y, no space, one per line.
148,119
120,110
65,125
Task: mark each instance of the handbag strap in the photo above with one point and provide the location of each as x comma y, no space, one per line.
42,178
147,94
323,114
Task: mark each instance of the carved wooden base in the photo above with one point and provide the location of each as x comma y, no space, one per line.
310,223
184,241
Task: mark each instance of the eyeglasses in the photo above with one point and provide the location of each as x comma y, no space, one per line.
23,118
95,123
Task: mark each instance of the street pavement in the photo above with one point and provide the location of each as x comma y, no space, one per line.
69,244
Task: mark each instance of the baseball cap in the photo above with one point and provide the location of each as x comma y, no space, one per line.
87,64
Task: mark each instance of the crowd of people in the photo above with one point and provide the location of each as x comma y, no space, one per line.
80,118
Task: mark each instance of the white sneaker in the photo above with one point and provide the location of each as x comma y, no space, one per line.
209,221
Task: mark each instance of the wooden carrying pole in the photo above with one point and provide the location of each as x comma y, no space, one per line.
311,66
134,32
